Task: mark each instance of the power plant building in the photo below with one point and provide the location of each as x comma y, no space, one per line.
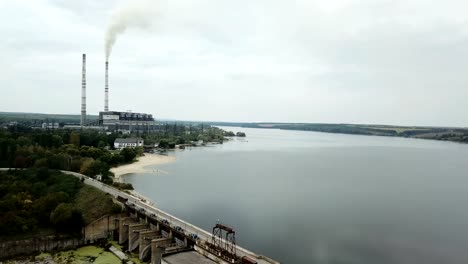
127,122
113,121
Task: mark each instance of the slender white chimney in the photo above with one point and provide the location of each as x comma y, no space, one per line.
83,92
106,98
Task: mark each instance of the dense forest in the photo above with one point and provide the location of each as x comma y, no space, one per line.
85,152
37,198
35,201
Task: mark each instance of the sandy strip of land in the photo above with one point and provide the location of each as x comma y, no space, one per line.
141,165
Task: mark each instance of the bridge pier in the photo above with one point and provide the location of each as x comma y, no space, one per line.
145,243
134,235
157,249
143,220
167,234
154,227
123,228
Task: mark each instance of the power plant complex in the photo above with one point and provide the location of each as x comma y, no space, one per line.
114,121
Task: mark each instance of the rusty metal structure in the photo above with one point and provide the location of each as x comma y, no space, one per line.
223,243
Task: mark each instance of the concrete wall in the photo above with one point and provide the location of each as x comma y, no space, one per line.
145,243
157,249
123,228
134,235
9,249
101,228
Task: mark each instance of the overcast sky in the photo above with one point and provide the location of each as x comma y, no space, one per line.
342,61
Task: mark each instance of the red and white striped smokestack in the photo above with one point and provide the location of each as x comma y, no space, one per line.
106,98
83,92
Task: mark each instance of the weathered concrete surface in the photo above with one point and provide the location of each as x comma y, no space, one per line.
101,228
123,228
9,249
134,235
145,243
187,257
154,227
157,249
167,234
118,253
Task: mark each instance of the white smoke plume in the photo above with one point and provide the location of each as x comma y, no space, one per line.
132,13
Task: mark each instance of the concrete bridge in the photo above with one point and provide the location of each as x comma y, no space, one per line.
153,233
153,236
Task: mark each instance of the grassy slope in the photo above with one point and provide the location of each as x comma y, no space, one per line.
93,203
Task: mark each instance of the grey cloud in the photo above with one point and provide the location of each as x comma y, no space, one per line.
373,61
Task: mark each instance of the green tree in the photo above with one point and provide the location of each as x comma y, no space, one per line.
163,143
66,218
240,134
56,141
23,141
92,168
180,140
128,154
76,165
75,139
86,166
102,144
139,151
60,161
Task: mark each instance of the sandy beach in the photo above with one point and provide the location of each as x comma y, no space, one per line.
141,165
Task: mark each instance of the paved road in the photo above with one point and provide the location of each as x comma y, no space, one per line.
174,221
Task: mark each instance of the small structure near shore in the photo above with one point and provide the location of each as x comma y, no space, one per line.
121,143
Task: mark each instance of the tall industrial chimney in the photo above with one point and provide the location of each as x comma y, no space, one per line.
106,98
83,92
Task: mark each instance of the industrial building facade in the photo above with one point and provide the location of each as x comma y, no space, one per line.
113,121
127,122
121,143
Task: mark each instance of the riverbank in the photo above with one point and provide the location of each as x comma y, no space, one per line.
141,165
454,134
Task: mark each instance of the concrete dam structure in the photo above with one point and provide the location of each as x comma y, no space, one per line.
158,237
154,239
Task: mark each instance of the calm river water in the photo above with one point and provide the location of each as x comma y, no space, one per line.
306,197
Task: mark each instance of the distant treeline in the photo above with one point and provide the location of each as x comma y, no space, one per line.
335,128
34,118
85,152
90,152
436,133
172,134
